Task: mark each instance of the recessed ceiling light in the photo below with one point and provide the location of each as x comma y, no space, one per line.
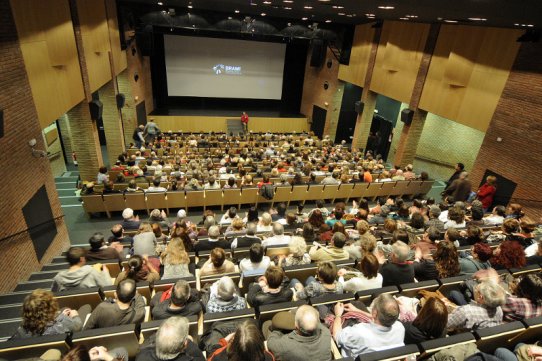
307,7
477,19
324,1
253,4
288,1
349,15
287,8
190,6
450,21
229,18
404,18
530,25
386,7
341,14
328,21
516,24
412,16
160,3
267,2
237,11
304,19
263,14
370,15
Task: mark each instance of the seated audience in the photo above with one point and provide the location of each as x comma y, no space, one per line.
335,251
324,283
139,269
365,244
299,337
127,307
248,239
383,332
159,217
298,253
278,238
229,216
179,300
245,344
236,228
265,224
118,236
172,343
367,277
224,297
175,260
217,264
481,253
429,324
526,300
271,288
397,270
497,216
99,251
509,254
145,240
129,221
42,317
257,262
212,242
155,187
80,275
443,263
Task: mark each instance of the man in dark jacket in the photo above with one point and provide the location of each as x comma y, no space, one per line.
99,251
182,302
460,188
248,239
459,167
397,271
127,308
270,289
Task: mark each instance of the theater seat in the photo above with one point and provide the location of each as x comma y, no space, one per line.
126,336
266,312
393,354
488,339
150,328
33,347
210,318
432,346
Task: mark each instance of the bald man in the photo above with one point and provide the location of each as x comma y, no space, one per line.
308,341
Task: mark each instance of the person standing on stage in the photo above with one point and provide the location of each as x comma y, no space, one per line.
244,120
138,136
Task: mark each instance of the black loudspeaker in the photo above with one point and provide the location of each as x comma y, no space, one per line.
318,53
358,106
1,123
406,116
145,41
96,109
121,99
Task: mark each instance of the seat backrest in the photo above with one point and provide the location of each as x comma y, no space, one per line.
412,289
176,199
232,197
195,199
93,203
359,190
330,191
213,197
33,347
299,193
431,347
266,312
393,354
249,195
210,318
135,200
76,298
149,328
488,339
156,200
164,285
332,298
114,202
126,336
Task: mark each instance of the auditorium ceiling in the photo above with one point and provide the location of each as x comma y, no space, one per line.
501,13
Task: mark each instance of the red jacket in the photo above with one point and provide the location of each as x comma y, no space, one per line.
244,118
486,194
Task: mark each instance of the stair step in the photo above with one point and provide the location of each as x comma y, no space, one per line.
66,186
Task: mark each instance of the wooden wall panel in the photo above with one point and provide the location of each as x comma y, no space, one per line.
118,55
398,59
359,57
468,71
219,124
51,60
95,33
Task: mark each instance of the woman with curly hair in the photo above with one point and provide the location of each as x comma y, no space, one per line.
509,254
446,260
316,219
526,301
365,244
42,317
175,260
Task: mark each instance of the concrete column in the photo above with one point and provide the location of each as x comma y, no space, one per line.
66,135
85,141
334,111
128,112
112,122
364,121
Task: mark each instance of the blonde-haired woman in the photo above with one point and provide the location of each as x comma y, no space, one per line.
175,260
298,253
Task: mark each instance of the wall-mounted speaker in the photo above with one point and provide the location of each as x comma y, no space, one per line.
407,115
358,106
121,100
318,53
96,109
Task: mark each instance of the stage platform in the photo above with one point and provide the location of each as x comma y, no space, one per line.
208,123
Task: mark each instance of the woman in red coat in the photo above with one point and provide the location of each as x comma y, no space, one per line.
487,191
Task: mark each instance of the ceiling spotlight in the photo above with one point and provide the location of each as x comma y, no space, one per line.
341,14
304,19
477,19
328,21
160,3
288,1
287,8
267,2
237,11
263,14
229,18
308,7
324,1
412,16
190,6
450,21
530,25
253,4
404,18
386,7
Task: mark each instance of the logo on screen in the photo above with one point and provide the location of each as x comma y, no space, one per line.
226,69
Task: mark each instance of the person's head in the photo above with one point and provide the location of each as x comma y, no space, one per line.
232,212
527,225
278,229
297,246
218,256
252,227
432,234
417,221
400,252
256,253
117,230
274,276
399,235
132,184
432,318
247,343
456,214
144,227
489,294
103,170
403,211
135,265
180,293
452,235
76,255
446,260
369,265
530,286
171,338
459,167
338,227
156,182
307,320
176,252
96,241
362,227
338,239
77,353
482,251
384,211
266,219
475,234
39,311
390,225
327,272
385,310
226,288
128,214
510,225
316,218
291,218
209,222
237,224
126,290
156,229
214,232
500,211
509,254
308,232
477,213
252,215
515,210
231,181
491,180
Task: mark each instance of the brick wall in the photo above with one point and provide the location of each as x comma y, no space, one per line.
518,121
26,173
112,122
66,135
129,116
335,109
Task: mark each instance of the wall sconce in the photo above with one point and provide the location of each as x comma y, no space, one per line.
36,153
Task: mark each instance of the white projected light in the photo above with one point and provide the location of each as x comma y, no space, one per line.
223,68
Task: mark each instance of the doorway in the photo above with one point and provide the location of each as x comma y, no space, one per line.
348,114
380,136
318,120
505,189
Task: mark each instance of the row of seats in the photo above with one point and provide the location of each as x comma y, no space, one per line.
108,203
